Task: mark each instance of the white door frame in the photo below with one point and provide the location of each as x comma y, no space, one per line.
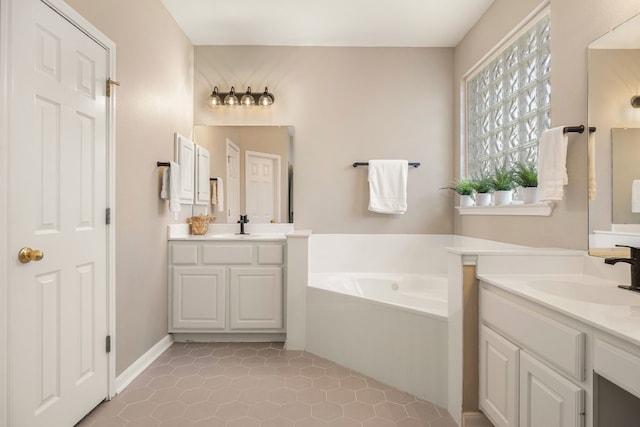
277,176
5,257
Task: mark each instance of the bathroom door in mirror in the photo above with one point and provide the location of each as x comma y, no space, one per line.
625,178
614,79
264,170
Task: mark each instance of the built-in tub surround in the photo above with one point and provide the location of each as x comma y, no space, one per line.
351,321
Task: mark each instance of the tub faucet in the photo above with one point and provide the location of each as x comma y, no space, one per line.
243,220
634,261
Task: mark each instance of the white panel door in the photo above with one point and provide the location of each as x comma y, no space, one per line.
57,202
233,181
255,298
547,399
498,378
262,187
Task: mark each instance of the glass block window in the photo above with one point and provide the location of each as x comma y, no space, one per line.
509,103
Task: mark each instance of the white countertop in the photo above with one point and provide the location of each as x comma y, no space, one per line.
621,318
231,237
227,232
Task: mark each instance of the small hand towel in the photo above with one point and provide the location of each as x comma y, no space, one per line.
219,194
388,186
175,188
164,191
214,192
552,164
635,196
591,155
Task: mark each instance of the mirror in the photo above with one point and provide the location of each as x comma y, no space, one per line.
253,168
614,79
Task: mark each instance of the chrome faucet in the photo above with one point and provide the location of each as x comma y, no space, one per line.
634,261
243,220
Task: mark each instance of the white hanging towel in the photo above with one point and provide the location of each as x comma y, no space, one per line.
175,188
214,192
388,186
635,196
217,194
552,164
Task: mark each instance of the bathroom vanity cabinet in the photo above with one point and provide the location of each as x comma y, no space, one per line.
532,365
226,286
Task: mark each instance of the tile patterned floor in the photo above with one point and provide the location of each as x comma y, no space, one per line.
258,385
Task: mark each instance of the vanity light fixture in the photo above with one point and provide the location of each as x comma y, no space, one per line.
231,100
635,101
249,99
266,99
214,100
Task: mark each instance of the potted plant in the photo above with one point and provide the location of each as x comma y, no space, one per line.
526,176
502,184
483,189
464,187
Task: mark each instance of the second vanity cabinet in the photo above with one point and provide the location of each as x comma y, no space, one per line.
532,366
226,286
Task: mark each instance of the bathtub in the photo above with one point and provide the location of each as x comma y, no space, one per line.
418,293
378,305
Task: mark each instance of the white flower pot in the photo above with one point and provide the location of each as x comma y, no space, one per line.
503,197
530,195
466,201
483,199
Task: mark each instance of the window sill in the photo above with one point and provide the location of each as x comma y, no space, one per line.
533,209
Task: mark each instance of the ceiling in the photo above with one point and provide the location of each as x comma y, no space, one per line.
380,23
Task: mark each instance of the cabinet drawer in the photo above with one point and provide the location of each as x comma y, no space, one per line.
557,343
618,366
227,254
184,254
270,254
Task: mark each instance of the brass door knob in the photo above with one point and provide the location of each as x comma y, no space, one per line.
26,255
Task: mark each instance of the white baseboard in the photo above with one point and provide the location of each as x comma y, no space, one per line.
143,362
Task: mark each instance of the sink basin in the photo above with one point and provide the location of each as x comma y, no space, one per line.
595,293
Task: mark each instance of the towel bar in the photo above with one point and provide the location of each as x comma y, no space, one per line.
213,179
356,164
578,129
167,164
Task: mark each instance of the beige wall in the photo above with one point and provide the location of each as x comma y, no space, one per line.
347,105
155,99
574,24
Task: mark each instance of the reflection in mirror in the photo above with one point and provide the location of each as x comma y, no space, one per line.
614,79
254,170
625,176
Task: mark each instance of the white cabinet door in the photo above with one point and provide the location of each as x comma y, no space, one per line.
185,156
203,182
546,398
498,378
198,298
255,298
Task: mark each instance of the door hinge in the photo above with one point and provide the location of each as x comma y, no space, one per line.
108,344
111,82
107,218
